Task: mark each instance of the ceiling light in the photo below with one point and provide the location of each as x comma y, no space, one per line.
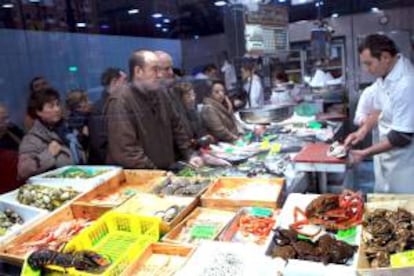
300,2
157,15
335,15
220,3
7,6
196,37
81,25
375,9
319,3
105,26
34,1
133,11
282,1
166,20
158,25
164,30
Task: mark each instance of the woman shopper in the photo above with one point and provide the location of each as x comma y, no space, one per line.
49,144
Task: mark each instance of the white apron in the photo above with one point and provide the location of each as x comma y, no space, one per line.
394,170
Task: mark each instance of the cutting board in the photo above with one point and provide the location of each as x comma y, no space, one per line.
316,153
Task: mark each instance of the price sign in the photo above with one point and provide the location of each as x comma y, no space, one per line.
347,235
402,259
261,212
203,232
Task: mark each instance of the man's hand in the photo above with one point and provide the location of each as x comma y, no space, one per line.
357,156
196,161
354,138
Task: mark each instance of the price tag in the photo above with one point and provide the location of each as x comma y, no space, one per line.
303,237
402,259
261,212
347,235
265,145
315,125
203,232
275,148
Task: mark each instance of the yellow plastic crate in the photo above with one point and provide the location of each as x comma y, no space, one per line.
119,237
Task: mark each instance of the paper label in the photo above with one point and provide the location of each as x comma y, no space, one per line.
303,237
402,259
265,145
261,212
203,232
275,148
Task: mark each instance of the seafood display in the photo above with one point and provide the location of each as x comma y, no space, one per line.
251,225
53,237
326,249
9,218
240,189
225,259
159,259
334,211
170,213
202,224
114,199
161,264
386,232
167,208
82,260
181,186
45,197
76,173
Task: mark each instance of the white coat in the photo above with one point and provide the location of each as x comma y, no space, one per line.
254,89
394,171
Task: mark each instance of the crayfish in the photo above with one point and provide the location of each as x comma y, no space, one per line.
82,260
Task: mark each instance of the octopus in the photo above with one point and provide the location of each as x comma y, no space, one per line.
326,249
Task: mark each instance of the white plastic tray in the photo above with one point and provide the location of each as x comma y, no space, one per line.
79,184
253,261
28,214
11,198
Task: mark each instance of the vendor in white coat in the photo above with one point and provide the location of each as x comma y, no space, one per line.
365,105
394,114
252,85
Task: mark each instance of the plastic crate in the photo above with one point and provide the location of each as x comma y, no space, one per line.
119,237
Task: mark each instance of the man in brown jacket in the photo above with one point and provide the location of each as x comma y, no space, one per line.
142,126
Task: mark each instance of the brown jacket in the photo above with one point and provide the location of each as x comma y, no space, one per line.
143,129
34,156
219,121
